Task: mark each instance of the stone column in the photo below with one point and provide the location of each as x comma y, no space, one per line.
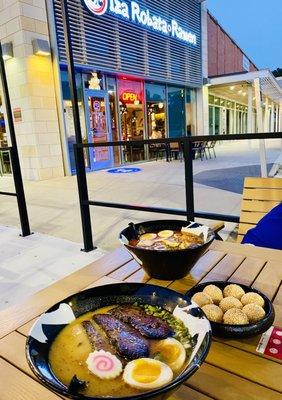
277,118
280,117
266,116
250,110
32,89
260,128
272,127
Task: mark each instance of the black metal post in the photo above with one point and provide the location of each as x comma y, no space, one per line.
188,167
14,153
80,164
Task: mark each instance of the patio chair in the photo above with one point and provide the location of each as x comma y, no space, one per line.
199,150
176,151
210,146
260,195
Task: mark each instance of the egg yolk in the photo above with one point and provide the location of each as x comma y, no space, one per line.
169,352
145,372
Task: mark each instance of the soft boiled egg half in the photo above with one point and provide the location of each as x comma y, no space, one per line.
171,352
147,373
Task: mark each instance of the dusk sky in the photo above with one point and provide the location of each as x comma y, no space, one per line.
256,27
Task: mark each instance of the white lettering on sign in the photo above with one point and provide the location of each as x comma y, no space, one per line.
119,8
133,12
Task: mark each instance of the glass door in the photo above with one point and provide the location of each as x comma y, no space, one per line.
98,127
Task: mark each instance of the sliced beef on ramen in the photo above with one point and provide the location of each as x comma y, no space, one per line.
128,342
98,339
148,325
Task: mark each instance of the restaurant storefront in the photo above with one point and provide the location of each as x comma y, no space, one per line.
138,68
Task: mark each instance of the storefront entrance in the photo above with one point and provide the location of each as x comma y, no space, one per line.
98,126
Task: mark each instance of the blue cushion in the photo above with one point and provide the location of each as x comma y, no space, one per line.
268,232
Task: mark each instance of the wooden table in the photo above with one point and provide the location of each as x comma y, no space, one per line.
232,371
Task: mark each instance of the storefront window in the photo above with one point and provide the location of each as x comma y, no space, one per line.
211,120
216,120
211,99
191,111
112,90
69,117
156,110
5,163
131,108
176,111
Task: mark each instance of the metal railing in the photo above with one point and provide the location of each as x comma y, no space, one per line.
13,150
186,145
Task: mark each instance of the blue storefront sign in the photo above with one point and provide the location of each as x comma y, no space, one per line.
124,170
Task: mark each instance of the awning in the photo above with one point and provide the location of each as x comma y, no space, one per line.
269,84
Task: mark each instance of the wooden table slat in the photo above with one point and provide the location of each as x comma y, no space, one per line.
223,385
15,385
225,268
269,280
248,271
205,264
125,271
263,371
138,276
247,251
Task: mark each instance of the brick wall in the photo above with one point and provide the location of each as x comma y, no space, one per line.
32,89
224,56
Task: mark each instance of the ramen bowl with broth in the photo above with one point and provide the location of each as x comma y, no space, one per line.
122,341
167,249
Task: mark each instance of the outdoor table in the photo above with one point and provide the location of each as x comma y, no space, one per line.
233,369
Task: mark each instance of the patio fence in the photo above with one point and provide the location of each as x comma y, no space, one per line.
184,143
14,156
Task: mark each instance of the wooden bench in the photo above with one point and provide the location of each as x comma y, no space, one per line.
260,195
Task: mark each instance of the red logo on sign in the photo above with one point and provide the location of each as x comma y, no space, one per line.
97,7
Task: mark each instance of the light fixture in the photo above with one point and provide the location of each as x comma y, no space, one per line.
232,87
7,51
240,91
41,47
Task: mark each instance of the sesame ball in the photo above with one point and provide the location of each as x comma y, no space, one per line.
213,312
234,316
202,299
230,302
214,292
234,291
252,297
254,312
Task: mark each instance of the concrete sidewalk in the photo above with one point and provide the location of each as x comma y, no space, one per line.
31,263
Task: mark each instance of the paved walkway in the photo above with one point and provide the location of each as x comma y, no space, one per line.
31,263
28,264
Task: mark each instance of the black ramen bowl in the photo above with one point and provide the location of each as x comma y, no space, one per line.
164,264
48,326
239,331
